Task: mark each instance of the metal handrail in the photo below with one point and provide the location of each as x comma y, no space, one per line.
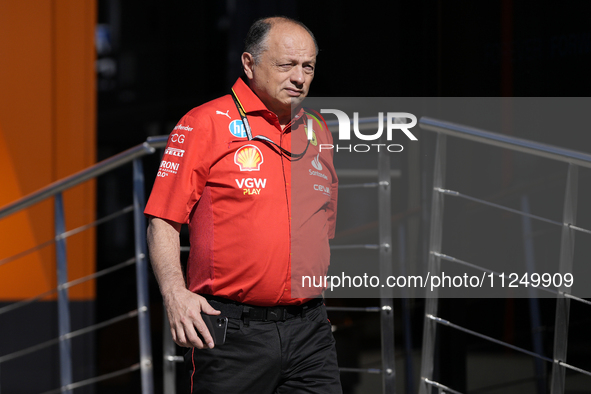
505,141
446,128
69,335
75,282
152,143
100,168
96,379
132,155
574,160
146,148
67,234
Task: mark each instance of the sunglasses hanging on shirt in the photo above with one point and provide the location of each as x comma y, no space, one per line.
262,137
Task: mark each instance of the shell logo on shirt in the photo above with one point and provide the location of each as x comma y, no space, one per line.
248,158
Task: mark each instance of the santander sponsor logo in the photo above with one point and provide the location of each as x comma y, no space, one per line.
316,163
181,127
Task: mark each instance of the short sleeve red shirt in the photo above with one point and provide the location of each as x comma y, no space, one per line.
236,196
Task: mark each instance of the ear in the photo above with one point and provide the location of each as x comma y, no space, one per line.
248,64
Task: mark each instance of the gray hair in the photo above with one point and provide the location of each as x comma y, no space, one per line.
255,42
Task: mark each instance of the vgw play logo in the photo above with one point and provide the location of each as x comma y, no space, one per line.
394,121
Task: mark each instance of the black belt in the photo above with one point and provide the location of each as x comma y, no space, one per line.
248,313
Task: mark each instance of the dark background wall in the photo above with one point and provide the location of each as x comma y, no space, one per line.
170,57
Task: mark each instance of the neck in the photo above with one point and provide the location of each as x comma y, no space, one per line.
284,119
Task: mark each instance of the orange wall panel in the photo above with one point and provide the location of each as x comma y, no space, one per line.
47,131
17,234
75,146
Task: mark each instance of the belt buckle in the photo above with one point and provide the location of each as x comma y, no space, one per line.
275,314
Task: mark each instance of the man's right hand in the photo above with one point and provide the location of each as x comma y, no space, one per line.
184,314
183,306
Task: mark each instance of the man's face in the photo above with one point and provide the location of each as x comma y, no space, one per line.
285,70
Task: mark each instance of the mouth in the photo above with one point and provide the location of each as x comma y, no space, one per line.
293,92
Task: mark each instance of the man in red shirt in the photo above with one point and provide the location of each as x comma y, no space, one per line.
260,200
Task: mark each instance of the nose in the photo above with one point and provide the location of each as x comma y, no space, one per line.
297,75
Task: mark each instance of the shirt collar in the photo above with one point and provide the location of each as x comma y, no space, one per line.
250,101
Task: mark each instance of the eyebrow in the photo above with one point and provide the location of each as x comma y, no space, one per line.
295,60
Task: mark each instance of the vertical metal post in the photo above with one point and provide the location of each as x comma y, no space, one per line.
387,302
169,351
407,331
567,247
63,303
430,329
534,305
139,222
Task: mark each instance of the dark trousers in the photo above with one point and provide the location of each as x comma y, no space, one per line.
265,357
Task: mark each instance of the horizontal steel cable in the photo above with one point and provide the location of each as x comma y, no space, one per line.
355,246
96,379
67,234
362,185
98,274
354,309
70,335
491,204
477,267
490,339
440,386
516,211
361,370
486,337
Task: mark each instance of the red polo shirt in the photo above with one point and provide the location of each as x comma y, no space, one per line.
256,216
